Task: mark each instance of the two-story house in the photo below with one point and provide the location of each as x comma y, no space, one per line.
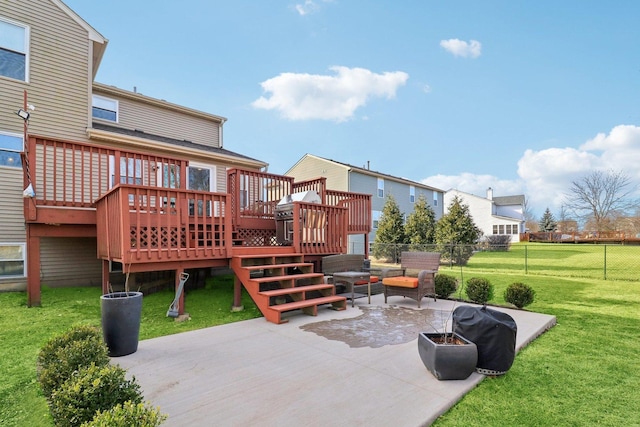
493,215
345,177
96,181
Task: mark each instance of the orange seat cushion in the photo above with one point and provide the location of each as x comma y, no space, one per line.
372,279
401,281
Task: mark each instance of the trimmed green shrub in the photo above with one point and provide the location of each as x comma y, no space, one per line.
128,414
445,285
89,390
519,294
479,290
63,354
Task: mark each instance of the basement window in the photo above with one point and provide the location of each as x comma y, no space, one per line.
12,260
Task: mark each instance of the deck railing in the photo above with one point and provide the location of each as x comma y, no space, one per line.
321,229
359,208
146,214
140,224
254,196
72,174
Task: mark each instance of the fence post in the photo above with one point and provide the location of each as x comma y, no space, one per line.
605,262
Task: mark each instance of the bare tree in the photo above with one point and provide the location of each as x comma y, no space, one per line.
530,222
595,197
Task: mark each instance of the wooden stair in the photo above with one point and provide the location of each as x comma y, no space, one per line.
284,282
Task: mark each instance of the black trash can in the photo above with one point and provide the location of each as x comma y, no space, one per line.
494,334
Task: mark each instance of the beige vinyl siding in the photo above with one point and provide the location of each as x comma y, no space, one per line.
69,262
139,115
59,71
221,178
12,228
311,167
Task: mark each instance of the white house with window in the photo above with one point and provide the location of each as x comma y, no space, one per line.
493,215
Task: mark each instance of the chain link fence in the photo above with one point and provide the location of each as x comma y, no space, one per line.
596,261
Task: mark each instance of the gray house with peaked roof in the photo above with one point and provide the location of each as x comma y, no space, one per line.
493,215
346,177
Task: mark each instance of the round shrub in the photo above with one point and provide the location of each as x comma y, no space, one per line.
63,354
445,285
519,294
89,390
128,414
479,290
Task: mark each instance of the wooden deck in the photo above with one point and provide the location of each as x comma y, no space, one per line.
137,206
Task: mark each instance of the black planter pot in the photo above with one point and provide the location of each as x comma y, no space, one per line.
121,315
447,361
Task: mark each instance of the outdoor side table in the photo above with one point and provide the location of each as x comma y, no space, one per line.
351,278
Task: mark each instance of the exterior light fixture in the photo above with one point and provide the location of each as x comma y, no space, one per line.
24,114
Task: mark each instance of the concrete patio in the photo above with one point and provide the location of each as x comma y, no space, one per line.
256,373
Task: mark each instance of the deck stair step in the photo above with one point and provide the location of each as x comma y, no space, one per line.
281,283
297,289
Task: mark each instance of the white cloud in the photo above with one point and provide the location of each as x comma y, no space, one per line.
476,184
327,97
307,7
457,47
545,176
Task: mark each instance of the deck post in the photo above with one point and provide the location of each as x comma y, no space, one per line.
237,295
33,269
105,277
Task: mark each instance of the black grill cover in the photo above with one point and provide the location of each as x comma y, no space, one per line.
493,332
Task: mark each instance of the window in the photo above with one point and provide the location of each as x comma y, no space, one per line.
105,108
381,188
130,171
201,178
10,148
170,176
12,263
375,217
412,194
14,52
495,229
435,199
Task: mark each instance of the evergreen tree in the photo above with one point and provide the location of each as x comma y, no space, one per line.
390,231
420,227
548,222
456,232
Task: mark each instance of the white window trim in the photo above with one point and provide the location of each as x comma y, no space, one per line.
24,259
21,138
412,194
106,104
27,54
212,175
380,187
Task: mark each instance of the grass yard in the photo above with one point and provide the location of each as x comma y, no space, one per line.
24,330
565,260
582,372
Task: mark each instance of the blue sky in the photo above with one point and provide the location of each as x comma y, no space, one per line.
523,97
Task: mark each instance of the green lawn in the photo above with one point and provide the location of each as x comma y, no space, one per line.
24,330
582,372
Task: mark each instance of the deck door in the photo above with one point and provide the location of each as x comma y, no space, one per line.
201,177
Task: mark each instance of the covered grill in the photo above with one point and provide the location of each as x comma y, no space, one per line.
284,214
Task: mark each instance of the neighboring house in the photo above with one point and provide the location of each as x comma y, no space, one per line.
123,182
345,177
493,215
